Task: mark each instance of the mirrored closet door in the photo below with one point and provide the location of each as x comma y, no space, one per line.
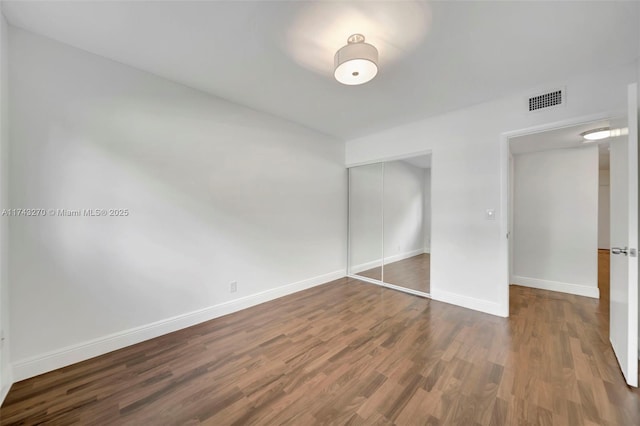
365,221
389,224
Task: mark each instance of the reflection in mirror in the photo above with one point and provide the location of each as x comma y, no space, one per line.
407,198
365,221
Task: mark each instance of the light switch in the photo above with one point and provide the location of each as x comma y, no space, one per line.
490,214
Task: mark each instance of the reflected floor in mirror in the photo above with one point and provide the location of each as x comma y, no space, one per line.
412,273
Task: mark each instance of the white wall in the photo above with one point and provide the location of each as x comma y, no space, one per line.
5,370
469,259
427,211
555,220
216,193
403,210
603,210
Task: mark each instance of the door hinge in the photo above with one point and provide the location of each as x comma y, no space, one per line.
633,252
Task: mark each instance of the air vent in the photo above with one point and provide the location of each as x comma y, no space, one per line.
546,100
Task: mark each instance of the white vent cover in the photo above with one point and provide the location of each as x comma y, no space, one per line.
546,100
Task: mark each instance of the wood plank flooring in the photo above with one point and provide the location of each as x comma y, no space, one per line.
352,353
413,273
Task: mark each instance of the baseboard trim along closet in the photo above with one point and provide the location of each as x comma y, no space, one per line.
577,289
389,259
469,302
39,364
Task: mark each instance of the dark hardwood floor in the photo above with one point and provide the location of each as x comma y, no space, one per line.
413,273
352,353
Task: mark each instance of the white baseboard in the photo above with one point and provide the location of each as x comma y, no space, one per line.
577,289
403,256
427,250
481,305
366,266
62,357
390,259
5,388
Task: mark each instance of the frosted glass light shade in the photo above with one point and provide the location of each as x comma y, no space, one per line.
603,133
597,134
356,63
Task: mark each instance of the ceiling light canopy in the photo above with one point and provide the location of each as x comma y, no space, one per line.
357,62
603,133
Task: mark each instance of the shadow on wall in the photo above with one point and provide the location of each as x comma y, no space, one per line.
215,193
195,194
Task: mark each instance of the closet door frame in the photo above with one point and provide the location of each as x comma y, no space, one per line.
381,161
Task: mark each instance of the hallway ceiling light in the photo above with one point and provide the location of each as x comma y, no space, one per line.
596,134
602,133
357,62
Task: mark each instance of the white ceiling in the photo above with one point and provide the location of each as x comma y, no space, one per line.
564,138
278,56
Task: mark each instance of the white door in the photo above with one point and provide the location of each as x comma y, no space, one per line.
623,327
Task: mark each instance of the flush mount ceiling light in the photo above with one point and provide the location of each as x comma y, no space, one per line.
357,62
594,135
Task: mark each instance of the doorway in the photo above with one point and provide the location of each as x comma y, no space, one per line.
555,203
623,303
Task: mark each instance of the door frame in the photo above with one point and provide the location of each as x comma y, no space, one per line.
505,195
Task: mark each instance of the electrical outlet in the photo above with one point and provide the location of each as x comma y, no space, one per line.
233,286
